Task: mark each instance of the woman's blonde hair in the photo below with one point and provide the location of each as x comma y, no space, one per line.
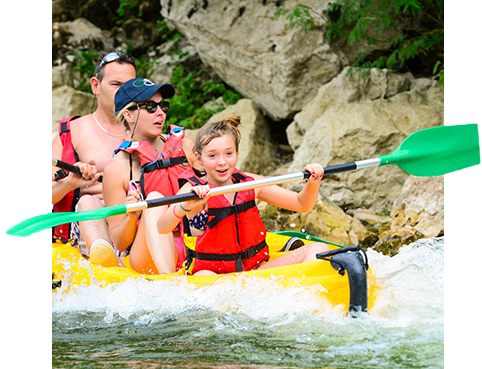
120,115
209,131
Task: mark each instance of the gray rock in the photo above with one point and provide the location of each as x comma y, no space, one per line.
277,67
349,120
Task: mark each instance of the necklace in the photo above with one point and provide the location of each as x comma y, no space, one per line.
110,134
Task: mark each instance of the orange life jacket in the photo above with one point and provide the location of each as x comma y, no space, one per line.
235,236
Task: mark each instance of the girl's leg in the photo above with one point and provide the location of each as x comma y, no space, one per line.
153,253
301,255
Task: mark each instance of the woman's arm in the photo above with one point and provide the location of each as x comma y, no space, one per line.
122,228
296,201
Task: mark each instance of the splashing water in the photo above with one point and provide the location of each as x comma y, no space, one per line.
253,323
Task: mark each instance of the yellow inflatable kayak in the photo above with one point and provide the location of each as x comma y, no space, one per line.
341,276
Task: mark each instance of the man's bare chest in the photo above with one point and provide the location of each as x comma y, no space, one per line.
91,146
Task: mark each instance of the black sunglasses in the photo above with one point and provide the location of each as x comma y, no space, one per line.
151,106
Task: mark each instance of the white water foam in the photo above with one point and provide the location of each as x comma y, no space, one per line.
411,292
256,297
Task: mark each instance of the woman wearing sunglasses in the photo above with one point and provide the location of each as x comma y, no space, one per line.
145,167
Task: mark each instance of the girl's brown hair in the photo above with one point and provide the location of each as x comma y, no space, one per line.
209,131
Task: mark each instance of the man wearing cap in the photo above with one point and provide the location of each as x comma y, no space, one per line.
88,142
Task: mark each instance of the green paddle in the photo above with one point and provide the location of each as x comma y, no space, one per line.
429,152
11,150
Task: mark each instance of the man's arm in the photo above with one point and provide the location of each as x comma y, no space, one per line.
48,191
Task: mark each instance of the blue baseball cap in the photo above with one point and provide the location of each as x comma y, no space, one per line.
140,89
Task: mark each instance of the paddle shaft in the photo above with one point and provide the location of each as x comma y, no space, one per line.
142,205
60,164
218,191
251,185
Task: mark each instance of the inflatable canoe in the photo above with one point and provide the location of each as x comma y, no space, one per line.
341,276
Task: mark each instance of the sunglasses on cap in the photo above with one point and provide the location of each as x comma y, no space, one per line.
109,58
151,106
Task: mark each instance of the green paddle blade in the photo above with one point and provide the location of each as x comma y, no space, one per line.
437,151
11,150
41,222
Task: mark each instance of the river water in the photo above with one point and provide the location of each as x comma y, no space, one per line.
149,325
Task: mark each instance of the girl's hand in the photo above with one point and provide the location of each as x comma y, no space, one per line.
316,171
203,192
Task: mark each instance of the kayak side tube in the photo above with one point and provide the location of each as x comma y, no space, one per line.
350,260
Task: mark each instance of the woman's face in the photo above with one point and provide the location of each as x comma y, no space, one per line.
149,125
219,159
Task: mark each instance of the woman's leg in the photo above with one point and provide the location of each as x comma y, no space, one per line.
153,253
301,255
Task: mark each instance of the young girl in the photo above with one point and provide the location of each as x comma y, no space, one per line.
146,167
230,233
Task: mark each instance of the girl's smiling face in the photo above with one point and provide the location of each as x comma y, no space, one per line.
219,159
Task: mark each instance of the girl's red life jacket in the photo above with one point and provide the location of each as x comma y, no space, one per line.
160,171
235,236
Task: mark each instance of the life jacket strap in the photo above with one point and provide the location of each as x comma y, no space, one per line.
164,163
238,257
222,213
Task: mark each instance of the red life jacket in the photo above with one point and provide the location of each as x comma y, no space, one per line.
235,236
160,171
193,176
68,202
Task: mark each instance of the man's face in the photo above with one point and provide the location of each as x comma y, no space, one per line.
115,74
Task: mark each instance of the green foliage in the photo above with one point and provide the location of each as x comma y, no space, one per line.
166,33
145,66
84,63
187,107
300,16
126,7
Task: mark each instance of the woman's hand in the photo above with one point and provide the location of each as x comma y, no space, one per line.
133,195
316,171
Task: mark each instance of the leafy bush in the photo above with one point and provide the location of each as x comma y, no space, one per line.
84,63
301,16
125,7
188,107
